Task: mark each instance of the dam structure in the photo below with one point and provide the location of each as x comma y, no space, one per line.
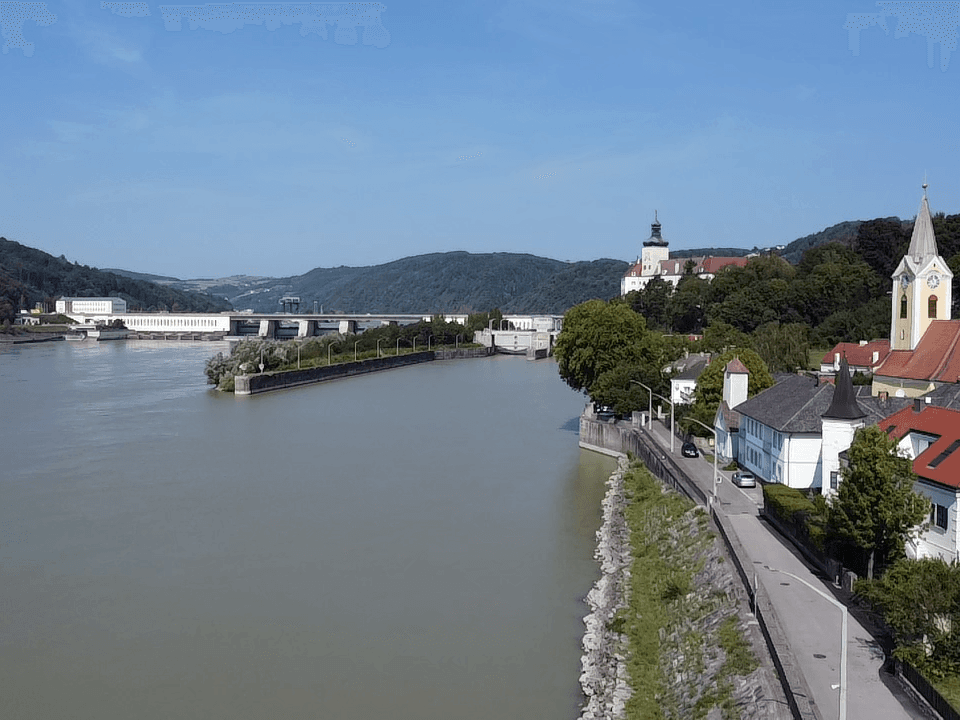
516,334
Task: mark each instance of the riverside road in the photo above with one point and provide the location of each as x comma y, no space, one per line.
811,623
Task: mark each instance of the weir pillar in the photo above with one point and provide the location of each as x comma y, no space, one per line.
268,329
348,326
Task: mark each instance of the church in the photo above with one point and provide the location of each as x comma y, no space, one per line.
924,340
654,261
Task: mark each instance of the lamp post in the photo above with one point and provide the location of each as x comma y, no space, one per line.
429,340
673,434
458,341
261,360
842,703
649,397
414,343
378,346
398,347
355,350
328,353
716,452
298,355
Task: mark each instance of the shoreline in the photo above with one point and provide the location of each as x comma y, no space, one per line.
604,677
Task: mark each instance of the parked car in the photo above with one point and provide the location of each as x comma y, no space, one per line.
604,412
688,449
744,478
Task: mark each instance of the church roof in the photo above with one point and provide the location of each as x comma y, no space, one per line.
844,405
923,243
936,357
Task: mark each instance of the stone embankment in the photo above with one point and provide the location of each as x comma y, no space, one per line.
705,665
604,676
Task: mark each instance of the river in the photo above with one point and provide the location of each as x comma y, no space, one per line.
408,544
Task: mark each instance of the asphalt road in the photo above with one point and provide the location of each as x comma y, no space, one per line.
810,622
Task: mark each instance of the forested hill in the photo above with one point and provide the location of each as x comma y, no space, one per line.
439,282
29,276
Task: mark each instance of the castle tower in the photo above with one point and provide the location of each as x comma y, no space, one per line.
838,425
654,250
922,285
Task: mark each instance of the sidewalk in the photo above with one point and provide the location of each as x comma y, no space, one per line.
811,624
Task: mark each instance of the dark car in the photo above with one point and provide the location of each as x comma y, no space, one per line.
744,478
688,449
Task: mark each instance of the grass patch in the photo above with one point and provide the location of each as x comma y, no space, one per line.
679,666
949,687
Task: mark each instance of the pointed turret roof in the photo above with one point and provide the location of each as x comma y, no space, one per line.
923,243
844,405
736,366
655,237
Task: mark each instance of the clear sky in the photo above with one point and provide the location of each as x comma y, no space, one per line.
247,142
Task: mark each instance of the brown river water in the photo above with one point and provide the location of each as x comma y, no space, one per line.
409,544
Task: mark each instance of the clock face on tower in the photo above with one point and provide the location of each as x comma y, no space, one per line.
933,281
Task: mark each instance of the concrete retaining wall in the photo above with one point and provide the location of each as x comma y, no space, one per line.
253,384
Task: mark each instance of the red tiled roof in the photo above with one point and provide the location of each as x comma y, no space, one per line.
634,270
936,357
712,264
859,355
933,421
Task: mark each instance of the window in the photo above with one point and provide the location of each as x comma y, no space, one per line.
932,307
834,479
938,516
903,306
944,455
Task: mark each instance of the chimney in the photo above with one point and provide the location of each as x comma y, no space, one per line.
836,361
862,343
917,405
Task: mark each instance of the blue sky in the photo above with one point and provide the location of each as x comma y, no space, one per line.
551,127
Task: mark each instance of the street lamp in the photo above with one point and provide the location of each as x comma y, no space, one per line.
650,398
458,341
716,452
398,347
378,346
261,360
842,709
672,425
329,346
414,343
298,355
355,350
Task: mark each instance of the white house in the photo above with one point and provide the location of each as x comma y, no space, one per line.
684,374
930,436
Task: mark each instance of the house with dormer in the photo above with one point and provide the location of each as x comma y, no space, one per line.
930,436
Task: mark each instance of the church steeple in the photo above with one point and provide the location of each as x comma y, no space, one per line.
922,285
923,243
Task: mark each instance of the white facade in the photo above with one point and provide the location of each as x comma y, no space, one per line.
789,458
91,306
171,323
837,437
682,389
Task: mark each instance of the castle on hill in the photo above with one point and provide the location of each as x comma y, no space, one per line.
655,261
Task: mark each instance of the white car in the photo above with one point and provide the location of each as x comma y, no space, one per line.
744,478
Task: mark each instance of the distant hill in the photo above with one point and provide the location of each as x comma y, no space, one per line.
29,276
435,283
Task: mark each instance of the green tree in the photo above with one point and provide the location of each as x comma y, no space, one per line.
876,509
783,347
920,600
709,390
609,341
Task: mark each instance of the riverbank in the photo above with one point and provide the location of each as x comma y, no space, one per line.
26,339
268,382
664,637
